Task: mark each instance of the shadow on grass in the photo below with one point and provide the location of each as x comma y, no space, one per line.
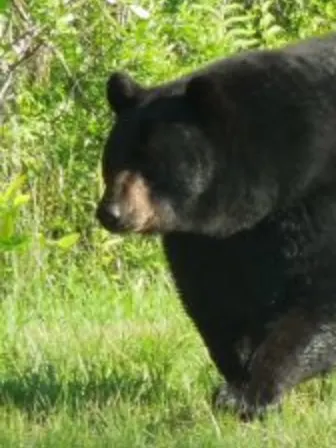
41,393
45,390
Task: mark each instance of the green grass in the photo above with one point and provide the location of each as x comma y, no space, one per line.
90,362
95,349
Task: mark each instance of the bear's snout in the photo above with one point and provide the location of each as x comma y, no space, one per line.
109,216
127,205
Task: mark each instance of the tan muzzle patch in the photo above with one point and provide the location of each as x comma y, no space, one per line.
132,193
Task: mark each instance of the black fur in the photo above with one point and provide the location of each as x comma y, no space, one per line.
240,162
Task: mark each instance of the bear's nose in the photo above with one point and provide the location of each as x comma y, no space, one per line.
109,215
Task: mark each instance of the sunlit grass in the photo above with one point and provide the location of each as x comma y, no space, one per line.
88,365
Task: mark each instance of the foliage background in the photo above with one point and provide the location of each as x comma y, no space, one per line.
55,59
63,280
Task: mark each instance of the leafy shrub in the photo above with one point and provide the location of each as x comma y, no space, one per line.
56,57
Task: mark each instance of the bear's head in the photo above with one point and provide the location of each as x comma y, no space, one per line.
158,162
171,163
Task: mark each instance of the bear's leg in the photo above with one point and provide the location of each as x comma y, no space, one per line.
301,345
233,365
226,397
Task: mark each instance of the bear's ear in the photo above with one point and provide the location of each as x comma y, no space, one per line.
122,92
206,94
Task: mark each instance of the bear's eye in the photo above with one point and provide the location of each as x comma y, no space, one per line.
142,147
140,156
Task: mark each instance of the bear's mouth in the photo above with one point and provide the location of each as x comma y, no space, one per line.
121,224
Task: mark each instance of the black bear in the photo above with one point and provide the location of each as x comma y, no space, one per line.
235,166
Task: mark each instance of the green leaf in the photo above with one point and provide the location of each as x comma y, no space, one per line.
236,20
3,5
273,30
67,241
233,8
21,199
266,6
267,20
13,187
7,226
13,243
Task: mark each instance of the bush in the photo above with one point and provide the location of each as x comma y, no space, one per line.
56,57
